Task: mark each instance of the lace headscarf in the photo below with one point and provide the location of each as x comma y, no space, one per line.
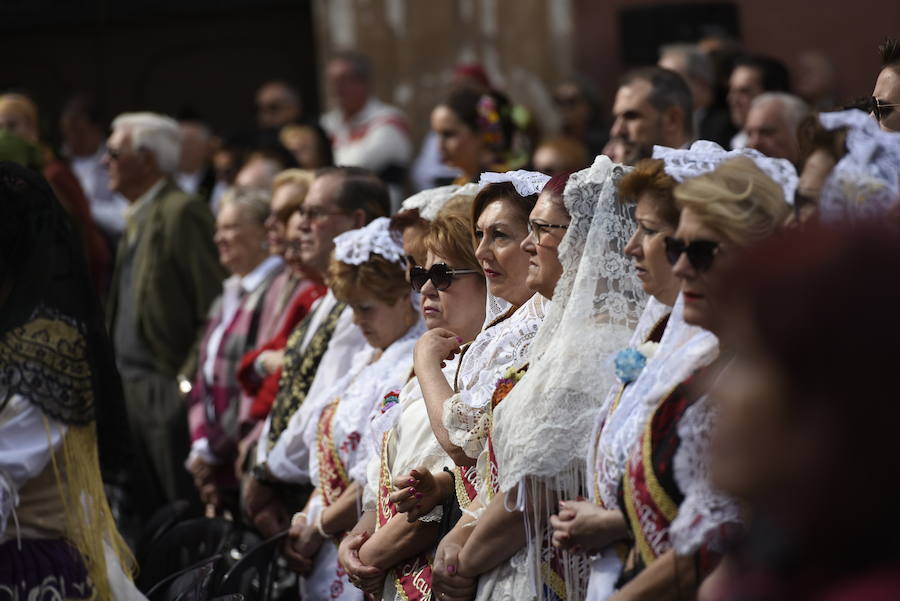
704,156
356,246
541,430
430,202
865,183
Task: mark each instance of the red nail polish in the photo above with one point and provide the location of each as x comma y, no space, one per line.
419,495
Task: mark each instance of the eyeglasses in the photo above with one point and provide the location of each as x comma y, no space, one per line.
700,253
317,213
536,229
440,274
878,107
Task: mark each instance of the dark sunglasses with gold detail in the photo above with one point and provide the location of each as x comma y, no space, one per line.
440,274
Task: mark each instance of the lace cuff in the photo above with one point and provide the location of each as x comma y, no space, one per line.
467,426
435,515
704,518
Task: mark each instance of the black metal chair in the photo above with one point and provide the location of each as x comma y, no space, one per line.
185,545
159,523
254,574
193,583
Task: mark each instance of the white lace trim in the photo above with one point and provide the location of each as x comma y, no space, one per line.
704,509
356,246
430,202
525,182
495,350
704,156
865,183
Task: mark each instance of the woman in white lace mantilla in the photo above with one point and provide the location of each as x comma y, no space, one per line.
400,547
367,273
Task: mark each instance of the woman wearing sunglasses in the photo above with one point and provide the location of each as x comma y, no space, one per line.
366,272
676,520
388,552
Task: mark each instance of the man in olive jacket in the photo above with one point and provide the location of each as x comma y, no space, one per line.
166,276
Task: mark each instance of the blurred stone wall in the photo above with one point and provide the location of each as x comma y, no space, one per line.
526,46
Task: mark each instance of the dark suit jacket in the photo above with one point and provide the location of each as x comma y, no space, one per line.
177,276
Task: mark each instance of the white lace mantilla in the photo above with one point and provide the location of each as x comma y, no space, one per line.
526,183
356,246
865,183
543,426
705,509
486,360
704,156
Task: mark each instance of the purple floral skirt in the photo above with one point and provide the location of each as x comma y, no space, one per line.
42,569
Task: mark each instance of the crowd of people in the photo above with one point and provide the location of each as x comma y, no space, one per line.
643,358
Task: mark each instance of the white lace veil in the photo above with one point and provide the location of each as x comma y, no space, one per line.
865,183
541,430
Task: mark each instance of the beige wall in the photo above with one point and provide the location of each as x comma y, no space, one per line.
414,45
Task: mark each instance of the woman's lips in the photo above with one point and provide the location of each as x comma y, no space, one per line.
692,296
490,273
430,310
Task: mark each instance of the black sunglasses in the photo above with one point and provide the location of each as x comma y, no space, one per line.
881,109
700,253
440,275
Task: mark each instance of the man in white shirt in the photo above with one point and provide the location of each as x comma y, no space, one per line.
364,131
340,199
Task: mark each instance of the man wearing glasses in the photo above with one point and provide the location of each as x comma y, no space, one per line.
885,101
320,349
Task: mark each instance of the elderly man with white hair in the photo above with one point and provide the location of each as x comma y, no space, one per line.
166,276
771,125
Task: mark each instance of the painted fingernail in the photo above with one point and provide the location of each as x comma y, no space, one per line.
451,569
419,495
412,491
459,340
412,481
